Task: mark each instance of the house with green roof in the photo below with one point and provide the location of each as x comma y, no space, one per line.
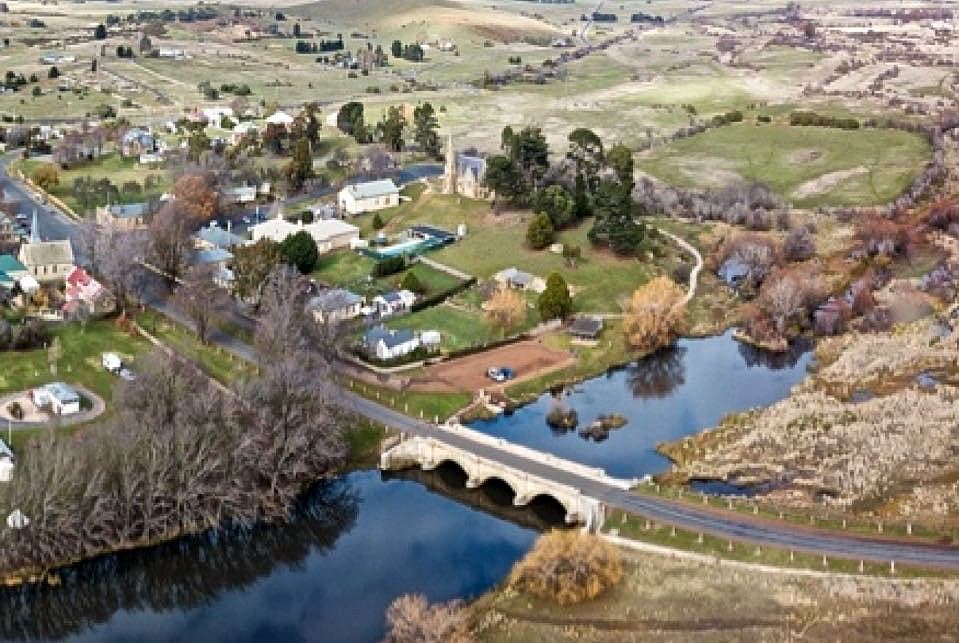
11,271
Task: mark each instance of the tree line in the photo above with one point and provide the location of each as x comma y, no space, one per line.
181,455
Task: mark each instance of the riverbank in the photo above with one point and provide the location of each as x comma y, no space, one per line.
871,432
687,600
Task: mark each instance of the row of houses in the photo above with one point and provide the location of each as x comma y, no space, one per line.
338,305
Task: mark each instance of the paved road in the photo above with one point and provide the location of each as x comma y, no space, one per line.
52,223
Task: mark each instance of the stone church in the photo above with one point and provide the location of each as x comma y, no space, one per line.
464,174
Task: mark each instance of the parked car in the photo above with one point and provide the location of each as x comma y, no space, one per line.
500,373
127,374
246,220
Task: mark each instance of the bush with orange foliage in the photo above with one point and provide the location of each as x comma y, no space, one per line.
944,215
568,567
656,314
196,197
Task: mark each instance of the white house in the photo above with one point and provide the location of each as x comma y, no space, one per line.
335,305
390,344
367,197
59,397
280,119
394,302
329,234
240,194
47,261
214,115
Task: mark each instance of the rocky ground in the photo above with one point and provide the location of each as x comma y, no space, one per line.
875,429
664,599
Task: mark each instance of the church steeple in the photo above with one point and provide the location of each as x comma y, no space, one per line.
34,229
449,178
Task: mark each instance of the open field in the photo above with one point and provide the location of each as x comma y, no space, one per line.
600,281
807,165
529,359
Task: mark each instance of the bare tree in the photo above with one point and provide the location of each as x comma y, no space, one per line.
200,299
170,244
118,254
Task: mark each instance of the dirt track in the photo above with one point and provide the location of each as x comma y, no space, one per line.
528,359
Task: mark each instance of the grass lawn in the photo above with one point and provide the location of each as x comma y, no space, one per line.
600,281
110,166
427,406
80,361
216,362
351,270
810,166
459,328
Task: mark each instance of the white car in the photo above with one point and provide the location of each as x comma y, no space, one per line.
112,362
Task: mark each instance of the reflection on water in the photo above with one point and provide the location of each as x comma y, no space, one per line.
355,544
668,395
659,376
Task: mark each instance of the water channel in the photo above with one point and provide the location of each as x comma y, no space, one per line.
364,538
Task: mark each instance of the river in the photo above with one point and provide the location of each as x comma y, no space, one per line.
362,539
670,394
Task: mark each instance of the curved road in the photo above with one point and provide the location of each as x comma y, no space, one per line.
689,517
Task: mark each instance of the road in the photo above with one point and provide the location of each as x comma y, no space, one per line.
688,517
52,223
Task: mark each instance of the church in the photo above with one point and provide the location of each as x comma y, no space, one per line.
465,174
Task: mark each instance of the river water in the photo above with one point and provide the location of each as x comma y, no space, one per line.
360,540
673,393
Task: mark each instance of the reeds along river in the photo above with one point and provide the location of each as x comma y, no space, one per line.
357,542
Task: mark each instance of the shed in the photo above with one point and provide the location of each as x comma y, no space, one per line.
586,327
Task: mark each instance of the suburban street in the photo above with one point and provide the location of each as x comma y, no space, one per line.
55,225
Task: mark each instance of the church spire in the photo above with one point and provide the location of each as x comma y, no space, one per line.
35,229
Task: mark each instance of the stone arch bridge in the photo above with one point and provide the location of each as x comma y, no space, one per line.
428,453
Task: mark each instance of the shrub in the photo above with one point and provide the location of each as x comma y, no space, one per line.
540,232
378,222
46,176
412,283
799,245
388,266
412,619
568,567
15,410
